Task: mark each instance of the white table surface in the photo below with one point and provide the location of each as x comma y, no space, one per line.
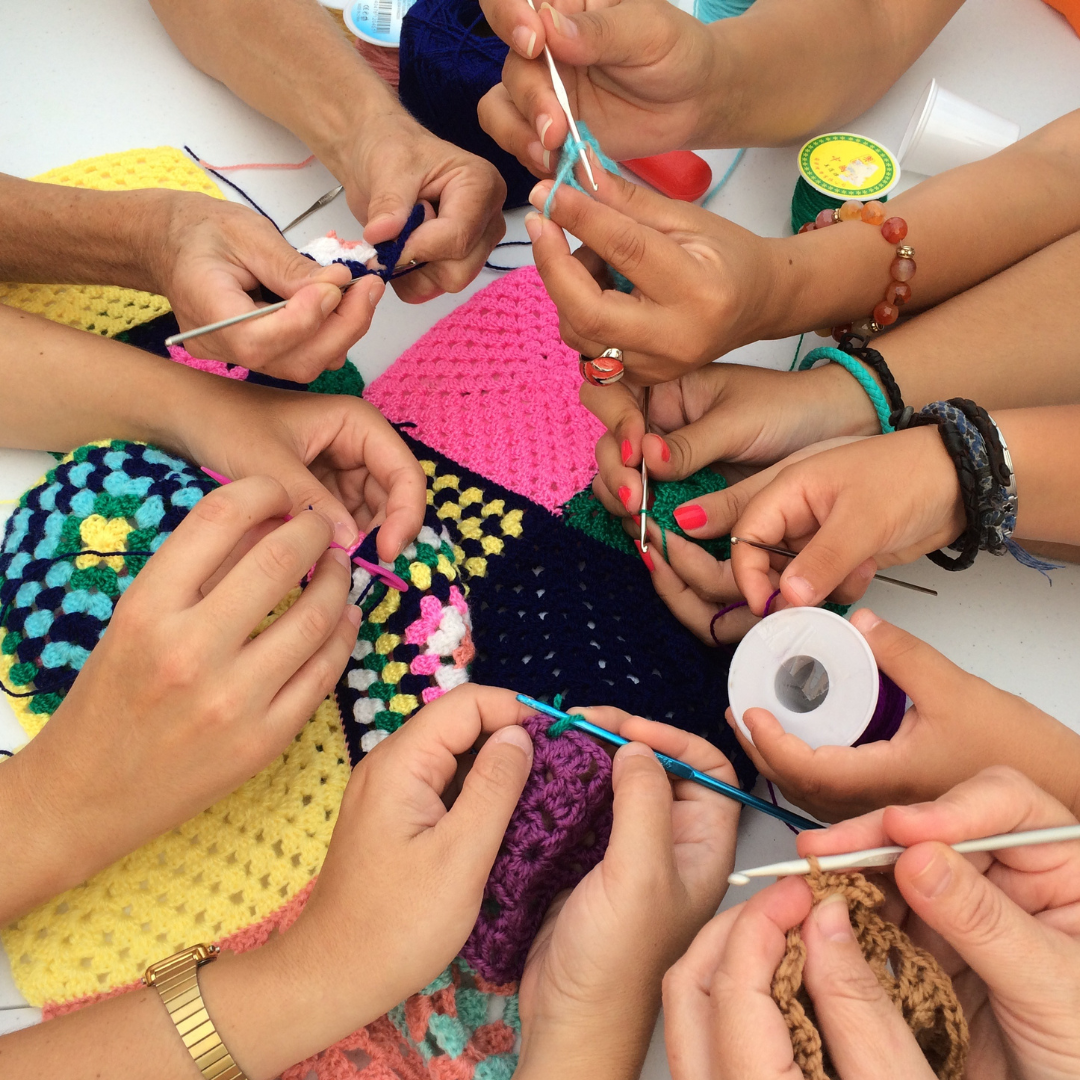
80,79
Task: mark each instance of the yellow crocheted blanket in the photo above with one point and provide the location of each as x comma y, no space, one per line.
108,309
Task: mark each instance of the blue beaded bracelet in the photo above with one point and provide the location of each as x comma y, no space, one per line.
866,381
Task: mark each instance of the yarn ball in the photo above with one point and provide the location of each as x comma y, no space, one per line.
450,58
557,834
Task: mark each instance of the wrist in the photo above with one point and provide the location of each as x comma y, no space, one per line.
343,130
844,406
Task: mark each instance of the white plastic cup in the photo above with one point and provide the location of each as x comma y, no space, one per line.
946,131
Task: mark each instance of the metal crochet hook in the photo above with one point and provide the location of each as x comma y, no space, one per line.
564,103
318,204
258,313
792,554
886,856
646,396
676,767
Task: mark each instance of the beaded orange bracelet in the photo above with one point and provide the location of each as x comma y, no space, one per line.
902,269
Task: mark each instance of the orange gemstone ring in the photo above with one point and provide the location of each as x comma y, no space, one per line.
602,370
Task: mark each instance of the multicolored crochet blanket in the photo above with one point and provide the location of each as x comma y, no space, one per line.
503,588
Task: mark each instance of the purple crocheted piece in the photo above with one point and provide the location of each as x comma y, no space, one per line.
557,834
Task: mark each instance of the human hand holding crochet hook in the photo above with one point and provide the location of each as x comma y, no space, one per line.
605,945
1004,927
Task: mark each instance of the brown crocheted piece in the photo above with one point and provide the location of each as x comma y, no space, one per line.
917,985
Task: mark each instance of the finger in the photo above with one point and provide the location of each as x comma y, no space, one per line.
266,573
621,482
206,537
291,640
641,838
618,408
298,699
865,1033
517,24
501,118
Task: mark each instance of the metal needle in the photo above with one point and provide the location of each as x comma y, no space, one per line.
318,204
792,554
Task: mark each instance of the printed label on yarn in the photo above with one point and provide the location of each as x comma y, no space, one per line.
377,21
848,166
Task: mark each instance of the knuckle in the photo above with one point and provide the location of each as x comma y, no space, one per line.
276,558
850,982
314,623
496,771
627,246
217,509
978,915
179,668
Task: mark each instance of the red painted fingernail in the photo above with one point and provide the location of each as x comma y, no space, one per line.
624,497
646,558
665,450
627,450
690,517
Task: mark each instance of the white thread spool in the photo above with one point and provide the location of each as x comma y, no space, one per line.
812,670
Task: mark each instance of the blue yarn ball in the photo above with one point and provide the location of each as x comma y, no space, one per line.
449,59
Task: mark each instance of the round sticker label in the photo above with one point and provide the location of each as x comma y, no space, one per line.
848,166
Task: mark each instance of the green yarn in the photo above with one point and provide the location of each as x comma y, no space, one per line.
585,512
346,380
807,202
560,727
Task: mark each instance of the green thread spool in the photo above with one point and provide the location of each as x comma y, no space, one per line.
840,166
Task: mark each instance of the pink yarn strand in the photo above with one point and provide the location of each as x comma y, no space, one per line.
260,165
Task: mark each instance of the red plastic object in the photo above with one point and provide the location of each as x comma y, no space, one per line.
680,174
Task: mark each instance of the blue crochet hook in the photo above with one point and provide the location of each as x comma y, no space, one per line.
677,768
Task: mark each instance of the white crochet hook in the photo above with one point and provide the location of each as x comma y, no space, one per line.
564,103
886,856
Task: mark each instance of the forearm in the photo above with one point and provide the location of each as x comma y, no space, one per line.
55,234
965,225
286,59
771,85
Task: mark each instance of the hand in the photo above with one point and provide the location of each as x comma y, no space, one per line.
720,1020
591,986
848,510
1005,926
400,889
639,73
703,286
336,454
177,705
214,253
393,164
957,725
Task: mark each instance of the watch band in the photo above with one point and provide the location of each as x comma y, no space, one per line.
176,979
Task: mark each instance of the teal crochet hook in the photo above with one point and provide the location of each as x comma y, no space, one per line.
678,768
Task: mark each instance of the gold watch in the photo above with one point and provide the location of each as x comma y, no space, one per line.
176,979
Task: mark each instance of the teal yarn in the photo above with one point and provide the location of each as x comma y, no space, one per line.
807,202
571,154
708,11
851,365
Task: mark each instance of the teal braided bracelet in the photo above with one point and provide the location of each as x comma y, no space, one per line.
850,364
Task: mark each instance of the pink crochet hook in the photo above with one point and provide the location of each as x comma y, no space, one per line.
388,576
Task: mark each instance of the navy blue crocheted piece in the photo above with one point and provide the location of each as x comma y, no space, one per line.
53,610
560,612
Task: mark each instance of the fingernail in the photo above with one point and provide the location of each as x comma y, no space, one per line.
665,450
515,736
547,161
803,590
331,299
534,226
341,558
538,195
354,615
934,877
646,558
562,25
345,533
624,498
864,620
690,517
525,40
627,451
832,918
634,749
536,153
376,291
543,122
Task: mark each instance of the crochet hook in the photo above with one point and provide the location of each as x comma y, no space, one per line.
792,554
886,856
676,767
564,103
318,204
646,394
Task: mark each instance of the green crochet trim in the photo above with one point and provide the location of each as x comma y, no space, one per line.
585,512
346,380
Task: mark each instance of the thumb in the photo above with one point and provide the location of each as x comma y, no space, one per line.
907,660
1012,952
641,833
478,819
391,199
283,270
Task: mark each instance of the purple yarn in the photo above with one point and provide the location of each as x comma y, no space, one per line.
557,834
888,713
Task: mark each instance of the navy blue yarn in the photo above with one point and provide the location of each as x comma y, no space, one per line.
495,266
449,60
588,603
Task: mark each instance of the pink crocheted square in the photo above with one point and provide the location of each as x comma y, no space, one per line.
493,387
